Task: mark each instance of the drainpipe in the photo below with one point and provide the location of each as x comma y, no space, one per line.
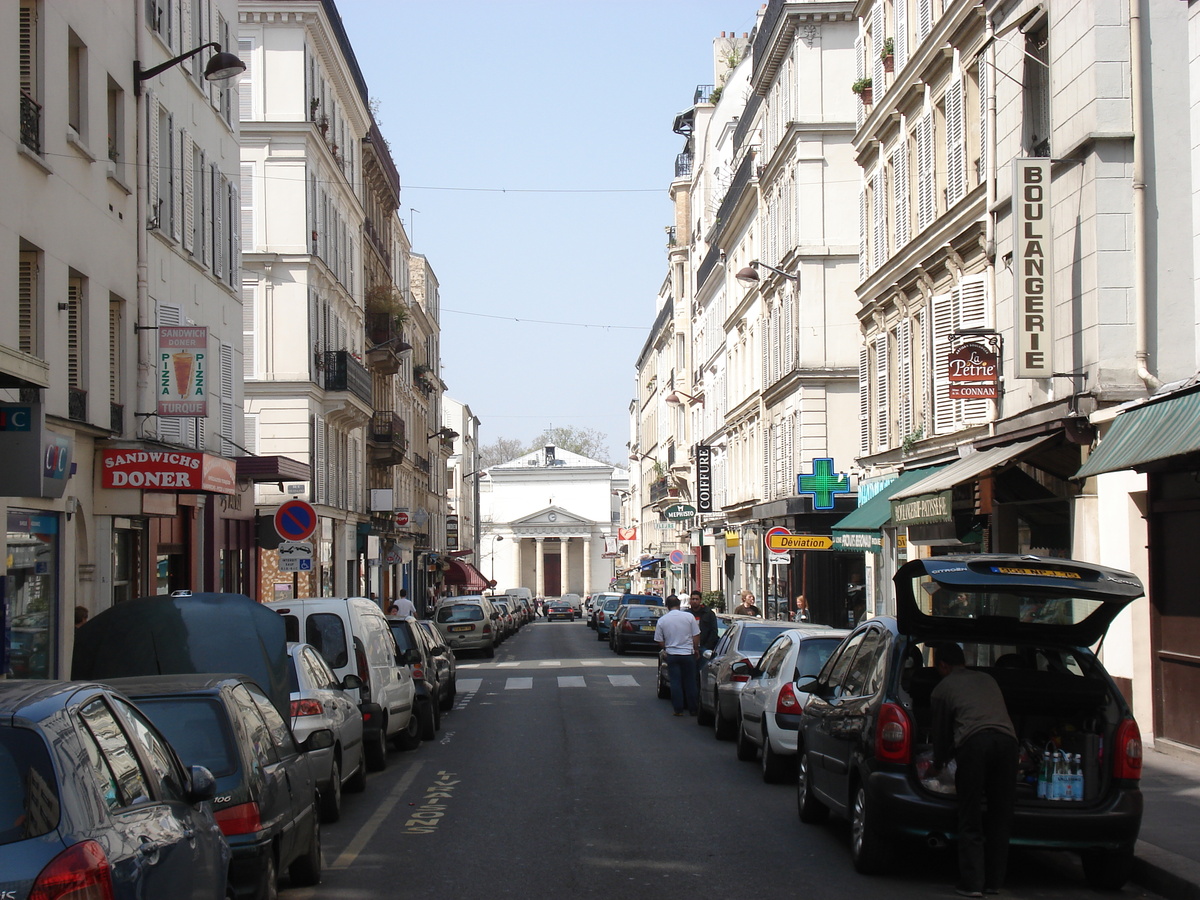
1141,301
989,226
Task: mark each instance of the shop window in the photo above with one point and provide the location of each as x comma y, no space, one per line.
31,598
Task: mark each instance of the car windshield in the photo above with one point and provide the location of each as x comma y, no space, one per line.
756,640
326,632
197,728
940,602
460,612
28,788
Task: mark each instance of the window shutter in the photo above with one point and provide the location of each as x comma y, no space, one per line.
877,38
203,211
774,343
864,401
27,27
318,472
247,205
878,218
983,118
26,303
900,189
114,352
220,249
176,182
314,334
883,410
972,308
153,165
198,436
75,376
942,323
924,19
766,462
777,462
901,38
860,71
926,183
956,154
189,194
862,232
234,232
789,456
904,376
789,328
171,428
250,436
249,329
246,82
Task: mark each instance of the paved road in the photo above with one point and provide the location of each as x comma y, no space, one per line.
560,774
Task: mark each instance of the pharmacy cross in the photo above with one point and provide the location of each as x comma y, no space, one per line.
823,483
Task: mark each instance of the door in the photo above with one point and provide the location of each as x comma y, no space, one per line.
552,573
821,726
758,693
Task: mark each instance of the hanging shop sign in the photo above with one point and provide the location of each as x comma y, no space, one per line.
627,533
162,470
679,511
451,532
973,373
34,462
704,478
823,483
923,509
182,370
1032,268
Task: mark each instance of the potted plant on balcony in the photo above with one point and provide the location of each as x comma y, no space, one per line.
886,53
862,87
386,310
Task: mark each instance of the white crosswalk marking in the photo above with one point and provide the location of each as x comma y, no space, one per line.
518,684
550,662
507,665
468,685
572,681
622,681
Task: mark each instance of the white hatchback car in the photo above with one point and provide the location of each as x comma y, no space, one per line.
770,705
320,700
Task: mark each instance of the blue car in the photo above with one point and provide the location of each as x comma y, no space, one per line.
91,794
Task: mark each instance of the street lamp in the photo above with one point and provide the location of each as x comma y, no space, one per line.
750,278
674,398
635,456
446,433
221,67
492,557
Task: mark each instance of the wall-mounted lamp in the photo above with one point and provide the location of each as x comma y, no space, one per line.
402,346
221,67
635,456
750,278
677,397
446,433
71,506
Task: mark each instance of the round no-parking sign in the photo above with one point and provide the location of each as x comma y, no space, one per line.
295,520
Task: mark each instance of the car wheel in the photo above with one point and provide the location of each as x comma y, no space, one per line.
703,716
426,723
446,696
619,647
774,767
268,882
331,795
1107,870
490,652
410,737
812,811
868,852
375,749
357,783
746,749
723,728
305,869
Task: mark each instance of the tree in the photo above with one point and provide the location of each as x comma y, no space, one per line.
501,450
585,441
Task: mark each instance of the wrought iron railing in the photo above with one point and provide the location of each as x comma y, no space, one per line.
703,93
345,373
683,165
116,418
388,428
31,123
76,404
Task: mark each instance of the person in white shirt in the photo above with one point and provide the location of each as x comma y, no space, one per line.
678,633
404,606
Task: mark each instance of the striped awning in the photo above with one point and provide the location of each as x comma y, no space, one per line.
1156,430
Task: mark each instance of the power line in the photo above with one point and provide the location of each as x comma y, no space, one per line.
524,321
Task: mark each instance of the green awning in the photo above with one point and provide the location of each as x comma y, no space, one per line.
1156,430
860,529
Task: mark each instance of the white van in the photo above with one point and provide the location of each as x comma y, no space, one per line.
353,636
523,592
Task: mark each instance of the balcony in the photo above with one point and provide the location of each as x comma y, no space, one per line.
386,440
31,123
422,463
683,165
663,489
387,342
345,373
76,404
116,418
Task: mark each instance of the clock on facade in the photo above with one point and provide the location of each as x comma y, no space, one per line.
552,517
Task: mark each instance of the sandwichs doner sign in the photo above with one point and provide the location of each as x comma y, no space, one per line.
1033,270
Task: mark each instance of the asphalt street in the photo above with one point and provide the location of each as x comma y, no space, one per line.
561,774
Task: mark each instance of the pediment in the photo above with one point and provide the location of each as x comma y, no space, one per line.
551,517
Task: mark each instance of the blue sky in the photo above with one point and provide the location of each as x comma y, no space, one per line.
535,149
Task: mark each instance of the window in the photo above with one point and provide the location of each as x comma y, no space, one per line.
116,309
965,306
278,728
30,75
117,768
76,333
77,96
162,761
1035,139
858,675
116,123
29,304
259,738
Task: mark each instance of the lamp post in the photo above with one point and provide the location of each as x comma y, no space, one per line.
492,557
221,67
677,397
749,276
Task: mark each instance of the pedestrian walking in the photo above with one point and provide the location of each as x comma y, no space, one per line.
747,607
971,724
678,633
706,619
404,606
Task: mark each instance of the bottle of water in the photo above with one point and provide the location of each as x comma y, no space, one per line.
1043,782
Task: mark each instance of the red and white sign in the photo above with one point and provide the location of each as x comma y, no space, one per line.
166,470
182,370
627,534
402,518
772,536
295,520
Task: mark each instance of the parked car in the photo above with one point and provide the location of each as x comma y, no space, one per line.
89,781
353,637
596,602
1028,622
745,641
770,704
415,652
605,614
505,621
559,609
467,623
576,603
266,783
633,627
445,664
321,700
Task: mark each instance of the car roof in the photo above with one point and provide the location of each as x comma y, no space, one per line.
34,699
161,685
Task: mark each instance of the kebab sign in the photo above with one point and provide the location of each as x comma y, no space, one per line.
182,370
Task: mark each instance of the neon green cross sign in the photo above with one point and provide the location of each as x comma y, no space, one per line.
823,483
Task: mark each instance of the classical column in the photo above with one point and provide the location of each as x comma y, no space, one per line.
564,555
587,566
540,576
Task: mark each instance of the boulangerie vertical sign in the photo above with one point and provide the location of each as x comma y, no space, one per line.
182,370
1033,269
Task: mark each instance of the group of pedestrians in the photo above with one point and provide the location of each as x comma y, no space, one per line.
684,636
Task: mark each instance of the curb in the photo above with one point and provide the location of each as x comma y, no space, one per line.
1169,874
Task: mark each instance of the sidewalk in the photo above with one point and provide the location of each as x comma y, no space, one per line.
1168,852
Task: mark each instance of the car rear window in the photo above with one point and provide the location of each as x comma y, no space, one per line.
645,612
197,728
404,638
813,655
756,640
327,632
28,788
460,612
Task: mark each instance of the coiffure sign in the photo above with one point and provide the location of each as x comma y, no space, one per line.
167,470
704,478
1032,268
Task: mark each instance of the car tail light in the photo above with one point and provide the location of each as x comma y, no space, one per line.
418,671
364,669
893,734
81,872
240,819
1127,760
742,679
627,625
599,617
788,704
487,629
307,708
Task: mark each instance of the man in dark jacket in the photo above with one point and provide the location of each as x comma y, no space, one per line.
706,619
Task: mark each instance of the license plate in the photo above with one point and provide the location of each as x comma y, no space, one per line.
647,628
462,627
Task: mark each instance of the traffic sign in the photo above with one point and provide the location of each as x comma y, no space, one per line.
785,542
679,511
676,557
402,518
295,556
774,534
295,520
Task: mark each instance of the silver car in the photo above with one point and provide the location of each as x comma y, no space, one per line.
745,641
320,701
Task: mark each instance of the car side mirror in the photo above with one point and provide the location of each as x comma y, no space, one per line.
707,654
808,684
320,739
743,668
203,785
351,682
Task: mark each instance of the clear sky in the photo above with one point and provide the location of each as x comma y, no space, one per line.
535,150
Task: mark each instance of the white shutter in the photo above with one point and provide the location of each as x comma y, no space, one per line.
170,428
904,378
864,401
789,456
926,177
924,19
879,245
774,340
249,332
862,232
763,345
218,222
153,170
246,82
115,366
314,333
176,183
777,462
247,205
956,151
942,323
189,193
235,236
318,469
971,305
766,462
900,189
882,407
860,71
250,432
789,327
901,37
877,38
981,174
